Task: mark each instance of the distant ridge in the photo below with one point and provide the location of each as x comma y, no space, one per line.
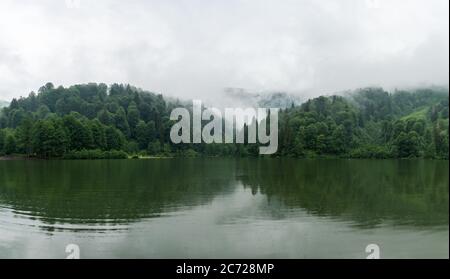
262,99
99,121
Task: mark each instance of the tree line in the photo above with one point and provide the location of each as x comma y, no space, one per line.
369,123
99,121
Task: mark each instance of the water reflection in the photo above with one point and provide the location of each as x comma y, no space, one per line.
107,195
101,194
367,192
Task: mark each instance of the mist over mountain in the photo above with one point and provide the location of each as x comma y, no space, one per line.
195,50
236,97
96,121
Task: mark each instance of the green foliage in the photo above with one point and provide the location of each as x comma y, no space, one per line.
121,122
115,140
190,153
80,136
98,134
10,145
87,120
49,139
133,117
24,136
371,152
95,154
154,148
2,141
407,145
132,147
145,133
369,123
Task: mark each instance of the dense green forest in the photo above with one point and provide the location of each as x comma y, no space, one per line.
99,121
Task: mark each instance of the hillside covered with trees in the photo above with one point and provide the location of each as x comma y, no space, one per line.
117,121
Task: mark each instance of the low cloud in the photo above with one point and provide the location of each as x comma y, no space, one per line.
194,48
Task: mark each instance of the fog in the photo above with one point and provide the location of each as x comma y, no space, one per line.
196,48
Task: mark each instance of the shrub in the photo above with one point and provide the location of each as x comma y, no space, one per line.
371,152
95,154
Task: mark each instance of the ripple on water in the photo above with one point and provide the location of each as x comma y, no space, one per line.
35,221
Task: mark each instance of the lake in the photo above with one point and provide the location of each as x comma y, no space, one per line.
224,208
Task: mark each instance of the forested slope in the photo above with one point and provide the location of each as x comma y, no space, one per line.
100,121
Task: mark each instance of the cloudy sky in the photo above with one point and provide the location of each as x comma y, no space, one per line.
195,48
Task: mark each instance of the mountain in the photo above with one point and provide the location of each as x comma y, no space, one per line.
96,120
264,99
369,123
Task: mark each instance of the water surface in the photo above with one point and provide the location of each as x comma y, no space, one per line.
224,208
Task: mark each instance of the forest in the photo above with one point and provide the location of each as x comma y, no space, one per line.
97,121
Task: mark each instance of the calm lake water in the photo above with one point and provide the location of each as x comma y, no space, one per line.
224,208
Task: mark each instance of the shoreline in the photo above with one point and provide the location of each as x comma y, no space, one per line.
18,158
24,158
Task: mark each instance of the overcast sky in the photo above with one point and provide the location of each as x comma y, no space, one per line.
195,48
